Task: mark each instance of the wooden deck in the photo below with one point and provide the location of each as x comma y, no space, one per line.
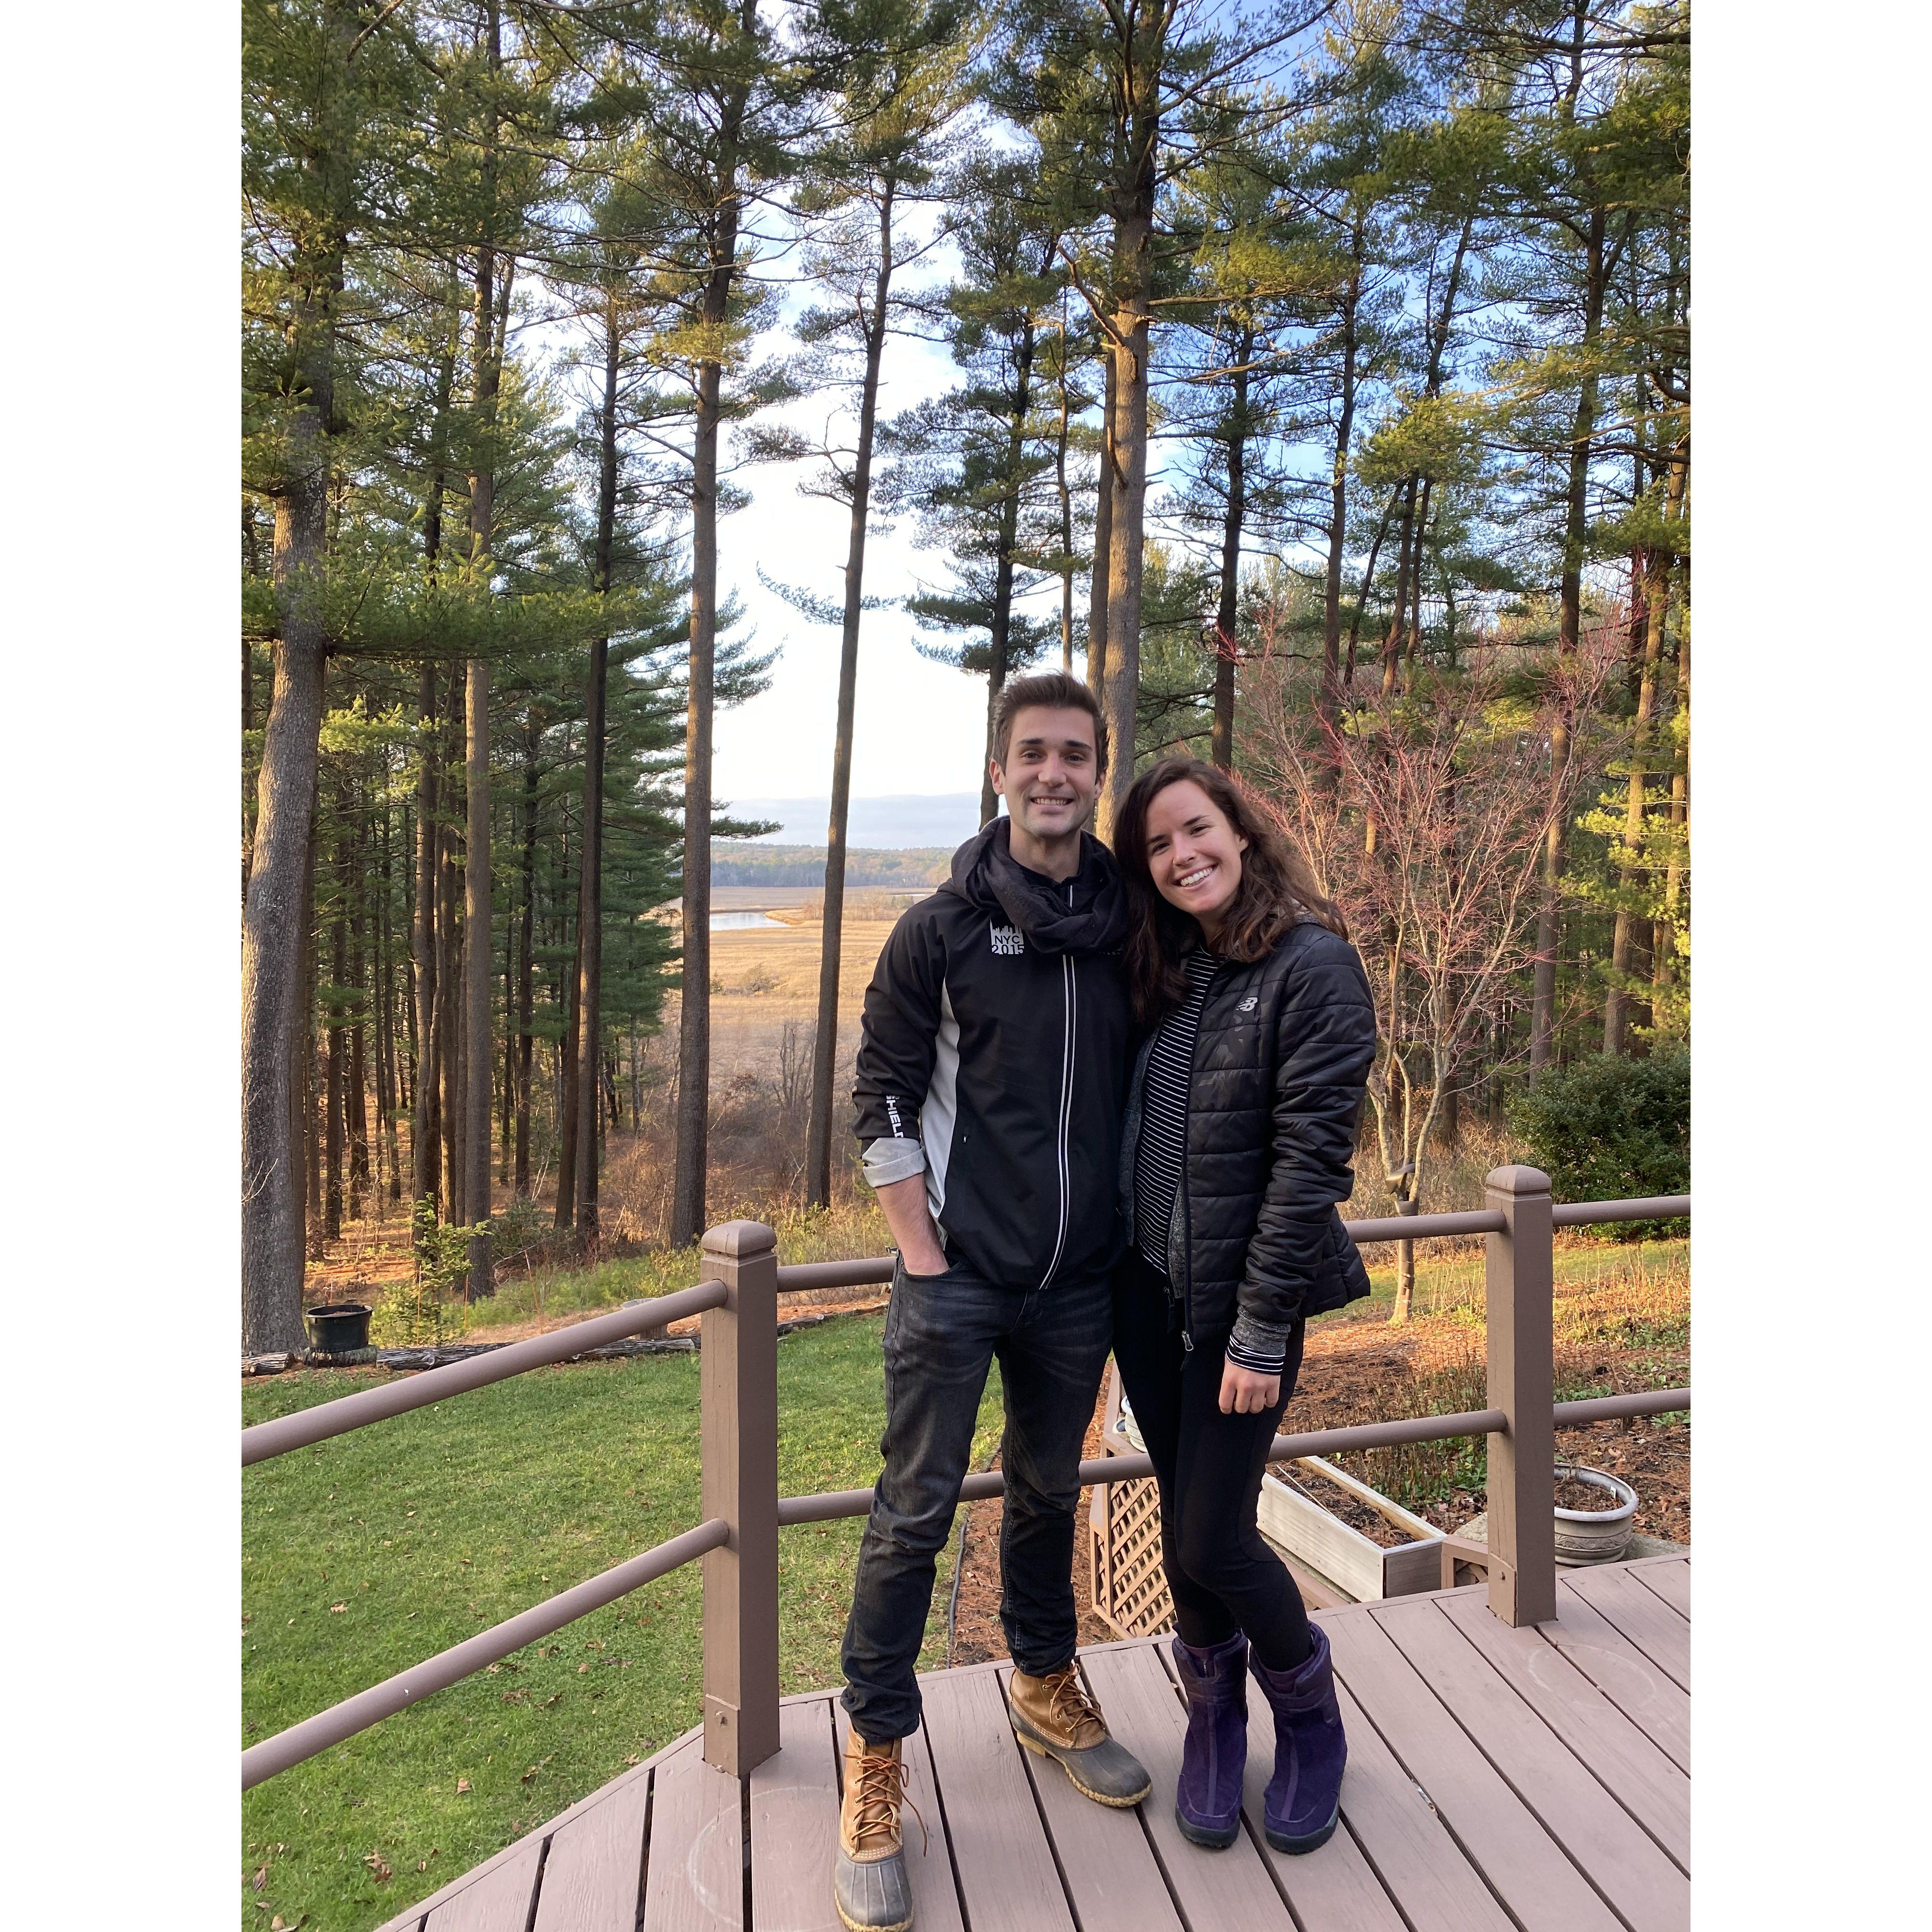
1535,1779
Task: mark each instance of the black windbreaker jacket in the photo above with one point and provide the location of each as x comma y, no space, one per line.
993,1057
1281,1065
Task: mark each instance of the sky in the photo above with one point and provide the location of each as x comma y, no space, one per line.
919,726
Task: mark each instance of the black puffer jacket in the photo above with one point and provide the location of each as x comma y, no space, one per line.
1281,1064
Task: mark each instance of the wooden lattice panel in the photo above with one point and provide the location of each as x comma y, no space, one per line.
1130,1590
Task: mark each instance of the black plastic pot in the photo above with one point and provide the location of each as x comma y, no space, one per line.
338,1328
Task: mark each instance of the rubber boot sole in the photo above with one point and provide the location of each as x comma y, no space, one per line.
1039,1746
1312,1841
1203,1835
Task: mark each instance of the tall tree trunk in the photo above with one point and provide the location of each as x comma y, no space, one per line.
1543,996
1338,494
426,1126
489,325
1368,583
358,1121
1413,649
507,1112
1226,612
590,886
825,1038
1399,616
476,959
1126,480
693,1087
1066,496
1663,941
274,927
526,965
1001,631
449,984
312,1086
568,1111
1616,1002
389,1095
1103,542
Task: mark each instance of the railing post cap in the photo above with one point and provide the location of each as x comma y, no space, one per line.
739,1240
1516,1180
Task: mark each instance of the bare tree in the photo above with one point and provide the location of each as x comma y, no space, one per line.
1460,783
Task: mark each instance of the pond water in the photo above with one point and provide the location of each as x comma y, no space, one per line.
728,922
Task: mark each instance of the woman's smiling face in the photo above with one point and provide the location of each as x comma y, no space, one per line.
1193,853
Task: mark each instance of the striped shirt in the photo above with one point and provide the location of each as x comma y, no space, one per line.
1163,1142
1163,1147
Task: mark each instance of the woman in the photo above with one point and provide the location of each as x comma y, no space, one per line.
1241,1128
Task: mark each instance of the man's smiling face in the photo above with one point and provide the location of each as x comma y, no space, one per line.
1051,775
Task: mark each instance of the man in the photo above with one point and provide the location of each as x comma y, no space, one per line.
992,1074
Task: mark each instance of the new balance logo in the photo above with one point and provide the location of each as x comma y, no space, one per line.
1006,939
1247,1005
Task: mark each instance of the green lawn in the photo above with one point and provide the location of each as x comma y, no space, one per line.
366,1554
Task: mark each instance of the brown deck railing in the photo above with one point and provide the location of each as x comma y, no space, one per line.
737,1540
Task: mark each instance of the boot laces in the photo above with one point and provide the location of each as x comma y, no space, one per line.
882,1781
1069,1703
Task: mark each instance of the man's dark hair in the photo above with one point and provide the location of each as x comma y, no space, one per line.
1053,691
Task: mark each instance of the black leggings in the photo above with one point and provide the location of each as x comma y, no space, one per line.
1223,1577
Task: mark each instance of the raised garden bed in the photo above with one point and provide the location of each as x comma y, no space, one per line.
1343,1530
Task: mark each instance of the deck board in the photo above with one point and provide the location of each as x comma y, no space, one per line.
1659,1708
1509,1845
1402,1834
1660,1633
595,1867
1001,1854
1643,1780
1106,1864
1213,1889
1668,1579
1498,1780
694,1875
501,1897
795,1824
1621,1860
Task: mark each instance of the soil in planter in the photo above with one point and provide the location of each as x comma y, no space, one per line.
1351,1509
1574,1493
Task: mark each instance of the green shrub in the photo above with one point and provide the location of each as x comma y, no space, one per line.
1607,1128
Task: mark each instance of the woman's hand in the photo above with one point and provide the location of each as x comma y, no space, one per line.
1243,1392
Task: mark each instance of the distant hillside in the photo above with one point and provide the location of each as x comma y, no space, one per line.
735,862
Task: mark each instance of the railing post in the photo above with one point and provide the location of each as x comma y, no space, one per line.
738,1438
1518,1274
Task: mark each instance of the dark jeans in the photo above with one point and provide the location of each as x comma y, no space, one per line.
1223,1576
943,1332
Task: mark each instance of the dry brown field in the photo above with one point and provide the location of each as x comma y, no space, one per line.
763,976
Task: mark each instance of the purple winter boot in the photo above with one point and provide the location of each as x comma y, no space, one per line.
1304,1796
1208,1800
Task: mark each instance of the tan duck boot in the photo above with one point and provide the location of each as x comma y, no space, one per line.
1054,1716
869,1885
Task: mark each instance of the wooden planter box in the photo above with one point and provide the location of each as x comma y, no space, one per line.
1130,1593
1355,1563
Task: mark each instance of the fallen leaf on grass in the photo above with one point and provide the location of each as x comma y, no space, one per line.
377,1863
261,1878
462,1784
581,1668
336,1609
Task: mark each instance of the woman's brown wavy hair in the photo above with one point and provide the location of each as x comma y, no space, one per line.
1277,888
